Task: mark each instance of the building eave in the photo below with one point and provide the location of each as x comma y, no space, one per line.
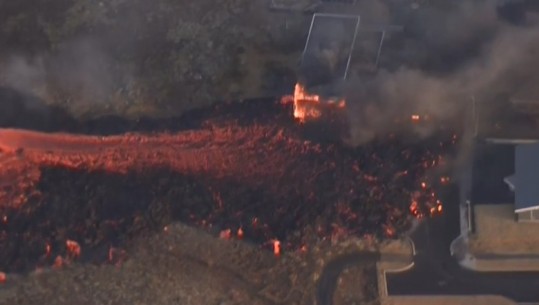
513,141
528,209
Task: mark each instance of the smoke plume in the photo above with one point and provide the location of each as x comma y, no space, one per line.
78,73
453,54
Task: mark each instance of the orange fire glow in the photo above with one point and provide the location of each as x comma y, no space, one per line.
414,208
204,152
240,233
200,153
58,262
415,118
225,234
276,247
3,277
390,231
73,248
436,210
308,106
47,250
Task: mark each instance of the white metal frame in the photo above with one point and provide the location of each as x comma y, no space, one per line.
358,19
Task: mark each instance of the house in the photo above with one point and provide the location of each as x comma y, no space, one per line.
505,163
525,182
505,171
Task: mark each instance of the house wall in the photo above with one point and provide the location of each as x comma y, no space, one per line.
528,216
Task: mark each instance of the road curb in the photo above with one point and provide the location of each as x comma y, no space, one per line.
383,291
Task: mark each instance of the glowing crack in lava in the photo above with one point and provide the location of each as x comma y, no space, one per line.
260,182
309,106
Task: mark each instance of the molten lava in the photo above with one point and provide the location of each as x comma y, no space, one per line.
309,106
257,180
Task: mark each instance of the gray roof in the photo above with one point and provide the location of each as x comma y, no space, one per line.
526,178
491,163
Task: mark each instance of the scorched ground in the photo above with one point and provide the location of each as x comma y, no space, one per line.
244,170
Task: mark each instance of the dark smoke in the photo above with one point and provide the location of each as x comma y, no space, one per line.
454,54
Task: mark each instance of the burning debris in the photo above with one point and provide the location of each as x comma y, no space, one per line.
310,106
77,196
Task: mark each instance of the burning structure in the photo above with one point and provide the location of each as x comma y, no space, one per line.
310,106
242,171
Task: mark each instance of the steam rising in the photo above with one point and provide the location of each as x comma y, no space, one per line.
456,54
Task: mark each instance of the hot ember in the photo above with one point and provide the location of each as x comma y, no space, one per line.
309,106
66,197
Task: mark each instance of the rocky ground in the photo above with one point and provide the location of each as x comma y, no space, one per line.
182,265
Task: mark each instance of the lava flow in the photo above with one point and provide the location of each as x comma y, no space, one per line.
70,195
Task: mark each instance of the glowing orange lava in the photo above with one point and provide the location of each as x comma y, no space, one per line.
73,248
261,156
309,106
445,180
217,153
225,234
48,250
240,233
276,247
59,262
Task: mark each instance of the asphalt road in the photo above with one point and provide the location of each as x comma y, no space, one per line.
435,272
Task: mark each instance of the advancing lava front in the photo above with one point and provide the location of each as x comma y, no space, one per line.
259,180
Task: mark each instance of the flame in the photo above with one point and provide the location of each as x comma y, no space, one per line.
58,262
308,106
415,118
3,277
225,234
276,247
390,231
47,250
240,233
414,208
436,210
73,248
